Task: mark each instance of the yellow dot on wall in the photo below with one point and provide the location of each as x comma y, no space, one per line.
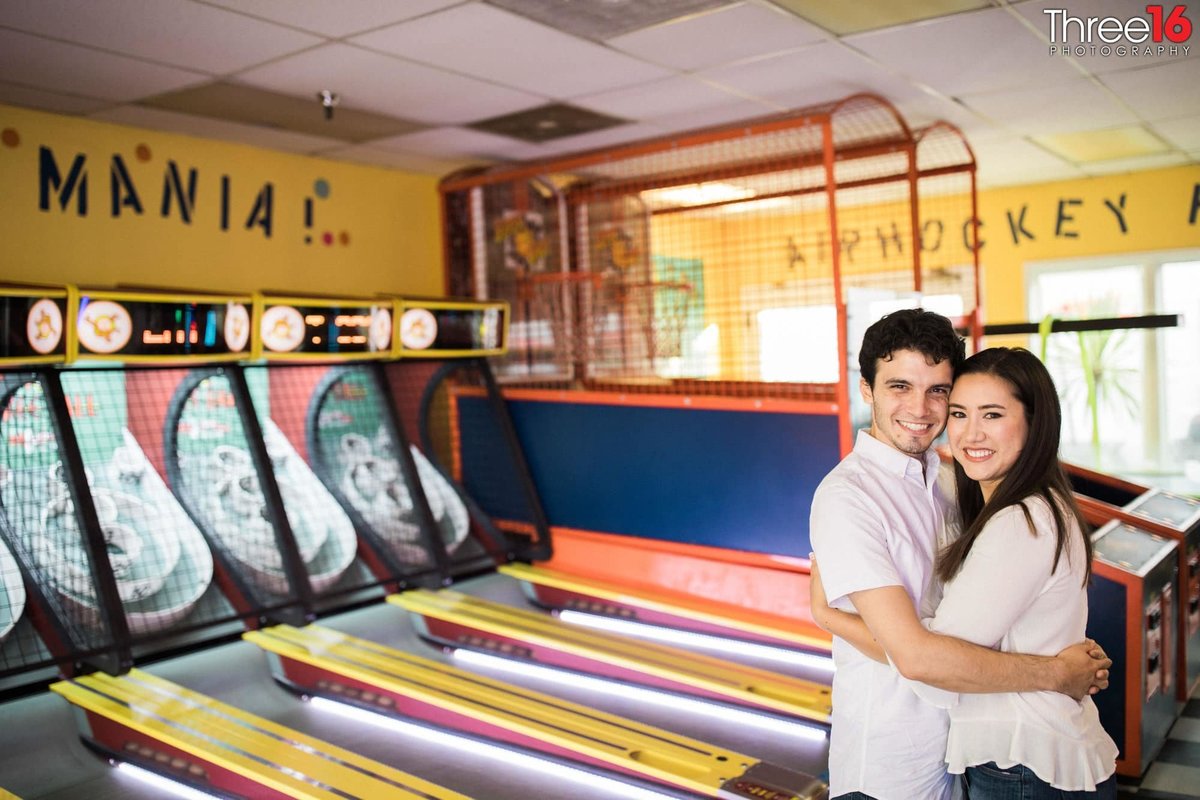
344,237
10,137
143,152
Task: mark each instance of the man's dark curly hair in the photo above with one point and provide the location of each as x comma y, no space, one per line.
910,329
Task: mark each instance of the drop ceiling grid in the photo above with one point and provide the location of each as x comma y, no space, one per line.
492,44
440,65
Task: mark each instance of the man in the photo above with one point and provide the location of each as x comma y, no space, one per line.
875,526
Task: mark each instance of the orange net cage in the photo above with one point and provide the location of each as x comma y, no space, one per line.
735,261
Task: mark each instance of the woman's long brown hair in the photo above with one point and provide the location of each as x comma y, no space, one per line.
1037,471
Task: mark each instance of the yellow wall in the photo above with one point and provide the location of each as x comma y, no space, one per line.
1158,209
386,228
384,224
1133,213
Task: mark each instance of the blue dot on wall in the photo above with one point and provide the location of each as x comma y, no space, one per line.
321,187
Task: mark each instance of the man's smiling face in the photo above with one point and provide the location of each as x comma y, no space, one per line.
908,401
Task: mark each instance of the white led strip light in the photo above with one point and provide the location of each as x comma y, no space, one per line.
726,714
701,640
162,783
620,789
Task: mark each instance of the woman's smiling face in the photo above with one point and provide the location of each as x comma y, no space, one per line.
987,428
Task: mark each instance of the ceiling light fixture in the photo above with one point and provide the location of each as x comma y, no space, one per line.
329,101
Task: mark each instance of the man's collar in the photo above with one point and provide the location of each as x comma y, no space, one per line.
892,459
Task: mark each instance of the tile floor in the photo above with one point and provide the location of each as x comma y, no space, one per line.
1175,774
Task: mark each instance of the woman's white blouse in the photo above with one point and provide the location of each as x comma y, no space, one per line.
1005,597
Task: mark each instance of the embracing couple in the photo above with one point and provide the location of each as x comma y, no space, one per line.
958,620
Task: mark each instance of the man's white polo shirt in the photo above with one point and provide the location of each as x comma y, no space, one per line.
876,520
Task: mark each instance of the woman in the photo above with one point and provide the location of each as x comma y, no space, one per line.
1016,580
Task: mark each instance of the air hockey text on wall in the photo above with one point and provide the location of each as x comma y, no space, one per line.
175,192
1067,219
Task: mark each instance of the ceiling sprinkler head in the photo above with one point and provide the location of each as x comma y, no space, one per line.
329,101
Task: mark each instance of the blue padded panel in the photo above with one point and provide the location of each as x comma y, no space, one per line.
733,479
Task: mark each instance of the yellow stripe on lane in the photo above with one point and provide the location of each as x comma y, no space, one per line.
794,696
91,698
255,748
641,748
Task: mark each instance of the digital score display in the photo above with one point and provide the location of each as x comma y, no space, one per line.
309,329
437,329
32,327
140,327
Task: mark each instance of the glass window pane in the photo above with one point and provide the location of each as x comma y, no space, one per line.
1112,358
1180,383
798,344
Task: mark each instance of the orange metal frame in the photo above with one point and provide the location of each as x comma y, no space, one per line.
762,584
777,583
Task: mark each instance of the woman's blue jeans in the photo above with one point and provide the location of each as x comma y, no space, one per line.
989,782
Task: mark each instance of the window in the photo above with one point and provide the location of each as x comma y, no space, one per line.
1140,415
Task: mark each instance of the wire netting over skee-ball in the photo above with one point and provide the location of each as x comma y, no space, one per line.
732,271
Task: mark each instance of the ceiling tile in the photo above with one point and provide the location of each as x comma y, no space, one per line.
662,98
43,100
548,122
1073,106
814,74
1136,164
524,55
1098,62
389,85
335,19
255,106
921,109
223,130
604,20
409,162
868,15
44,64
725,113
1084,147
1005,162
177,32
704,40
979,51
1183,133
1167,91
606,138
452,142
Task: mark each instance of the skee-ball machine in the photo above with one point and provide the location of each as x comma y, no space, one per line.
45,632
322,392
163,407
197,540
1104,497
1132,614
316,367
449,341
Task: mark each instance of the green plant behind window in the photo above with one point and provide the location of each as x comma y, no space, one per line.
1102,358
